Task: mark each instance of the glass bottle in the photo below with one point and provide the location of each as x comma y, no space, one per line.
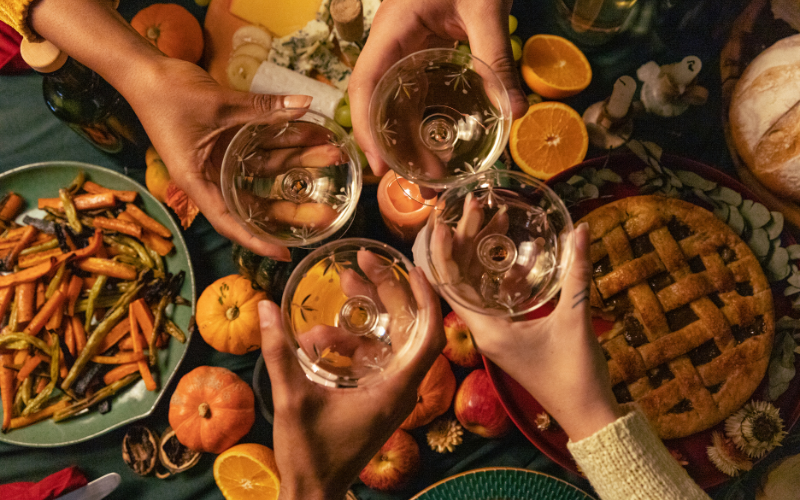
85,102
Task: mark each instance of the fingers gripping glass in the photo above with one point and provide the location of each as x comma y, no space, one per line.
351,312
292,177
439,115
499,243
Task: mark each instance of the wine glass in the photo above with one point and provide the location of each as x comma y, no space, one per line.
499,243
292,177
350,313
439,115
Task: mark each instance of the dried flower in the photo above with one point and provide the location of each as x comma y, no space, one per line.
756,428
444,435
725,456
543,421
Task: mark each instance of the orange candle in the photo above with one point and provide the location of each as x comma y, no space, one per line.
403,209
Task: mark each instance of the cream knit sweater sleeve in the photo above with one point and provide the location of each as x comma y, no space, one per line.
627,461
15,14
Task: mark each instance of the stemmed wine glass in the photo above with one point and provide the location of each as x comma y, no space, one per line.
350,313
499,243
439,115
291,177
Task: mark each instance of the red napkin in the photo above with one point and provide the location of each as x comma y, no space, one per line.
48,488
10,61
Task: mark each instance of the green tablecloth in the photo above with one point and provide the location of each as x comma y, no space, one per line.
30,134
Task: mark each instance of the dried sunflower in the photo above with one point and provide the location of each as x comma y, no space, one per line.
725,456
444,435
756,428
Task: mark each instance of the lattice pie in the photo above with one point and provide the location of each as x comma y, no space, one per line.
693,311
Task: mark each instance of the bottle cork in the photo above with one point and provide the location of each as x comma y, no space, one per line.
348,19
43,56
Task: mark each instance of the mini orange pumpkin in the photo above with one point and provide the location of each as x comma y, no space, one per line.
171,28
227,315
211,409
434,394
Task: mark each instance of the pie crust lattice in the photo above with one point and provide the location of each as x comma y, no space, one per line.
693,311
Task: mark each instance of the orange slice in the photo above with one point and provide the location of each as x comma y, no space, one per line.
549,139
554,67
247,472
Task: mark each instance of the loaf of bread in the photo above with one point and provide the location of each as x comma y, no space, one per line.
765,117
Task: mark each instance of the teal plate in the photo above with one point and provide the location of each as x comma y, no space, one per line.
42,180
502,483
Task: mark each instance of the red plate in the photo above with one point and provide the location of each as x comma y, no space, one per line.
523,408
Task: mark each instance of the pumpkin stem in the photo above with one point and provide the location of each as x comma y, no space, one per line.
152,33
232,313
204,410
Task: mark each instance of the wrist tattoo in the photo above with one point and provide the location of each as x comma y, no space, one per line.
582,296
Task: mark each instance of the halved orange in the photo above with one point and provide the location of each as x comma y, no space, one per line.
247,472
549,139
554,67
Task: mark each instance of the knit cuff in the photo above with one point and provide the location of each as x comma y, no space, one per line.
15,14
627,460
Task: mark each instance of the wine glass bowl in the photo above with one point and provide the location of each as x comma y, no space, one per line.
499,243
349,312
439,115
291,177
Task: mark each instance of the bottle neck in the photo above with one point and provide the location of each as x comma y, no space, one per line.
73,75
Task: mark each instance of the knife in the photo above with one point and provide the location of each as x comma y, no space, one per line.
95,490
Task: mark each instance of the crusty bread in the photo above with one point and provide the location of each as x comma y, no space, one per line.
765,117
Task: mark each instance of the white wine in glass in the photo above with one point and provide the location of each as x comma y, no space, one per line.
291,177
499,243
439,115
350,313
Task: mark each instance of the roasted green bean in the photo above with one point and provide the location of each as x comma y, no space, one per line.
36,403
47,245
98,396
98,286
69,211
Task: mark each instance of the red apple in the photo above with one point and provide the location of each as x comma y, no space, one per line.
460,348
478,408
395,464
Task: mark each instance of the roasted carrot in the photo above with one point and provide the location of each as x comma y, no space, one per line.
118,225
108,267
126,342
7,388
81,202
26,275
144,369
28,368
126,196
119,372
11,206
25,297
119,358
41,384
147,222
157,243
41,294
40,238
54,322
6,293
144,318
73,293
42,414
27,237
79,333
14,234
48,309
33,259
120,330
69,336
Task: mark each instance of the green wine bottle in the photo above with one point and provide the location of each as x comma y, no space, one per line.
86,103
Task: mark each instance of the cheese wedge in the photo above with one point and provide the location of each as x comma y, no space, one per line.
280,17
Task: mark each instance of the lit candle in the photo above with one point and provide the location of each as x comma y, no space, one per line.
403,209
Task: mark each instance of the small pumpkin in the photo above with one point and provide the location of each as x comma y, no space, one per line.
211,409
227,315
434,394
171,28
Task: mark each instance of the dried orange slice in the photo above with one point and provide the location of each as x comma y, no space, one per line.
554,67
549,139
247,471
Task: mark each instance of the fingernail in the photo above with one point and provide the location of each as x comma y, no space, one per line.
297,101
265,318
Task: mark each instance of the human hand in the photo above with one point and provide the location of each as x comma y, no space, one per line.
557,359
402,27
324,437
